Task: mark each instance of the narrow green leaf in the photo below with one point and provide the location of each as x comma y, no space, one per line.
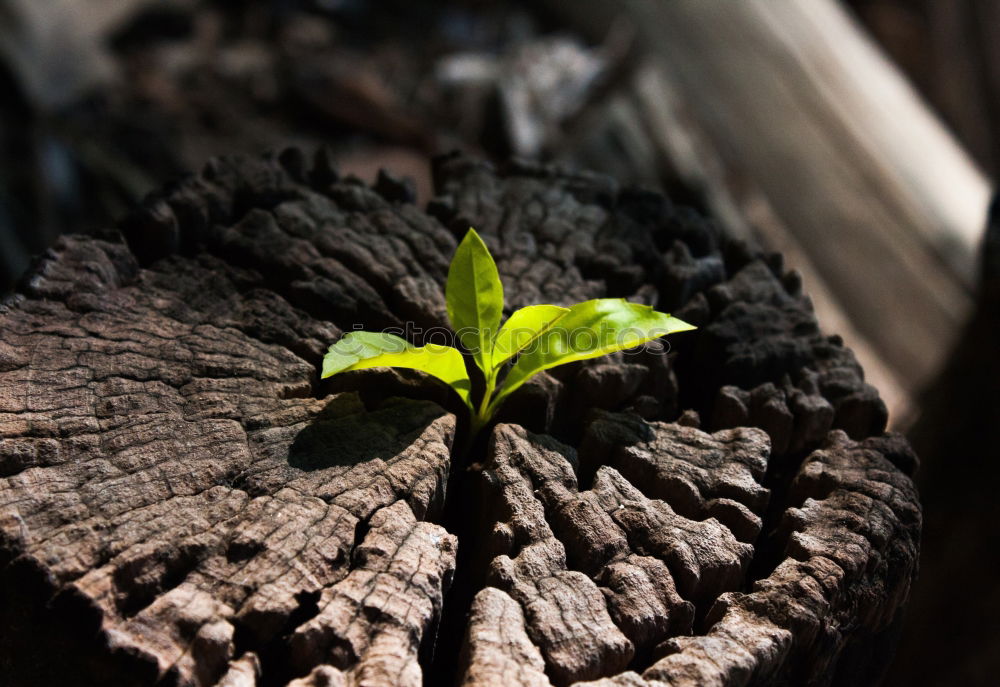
590,329
522,328
363,350
474,296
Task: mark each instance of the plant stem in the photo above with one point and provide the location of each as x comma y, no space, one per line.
484,412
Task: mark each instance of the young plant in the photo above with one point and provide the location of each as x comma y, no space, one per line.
539,336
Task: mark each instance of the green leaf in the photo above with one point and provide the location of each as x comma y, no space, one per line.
590,329
363,350
522,328
474,296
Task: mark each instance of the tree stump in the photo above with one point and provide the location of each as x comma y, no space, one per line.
183,501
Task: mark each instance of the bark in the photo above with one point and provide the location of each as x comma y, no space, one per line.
183,500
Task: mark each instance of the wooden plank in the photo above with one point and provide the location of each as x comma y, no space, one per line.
795,101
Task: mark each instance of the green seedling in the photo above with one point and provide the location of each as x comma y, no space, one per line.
536,338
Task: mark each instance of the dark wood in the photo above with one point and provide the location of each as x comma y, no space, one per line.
182,499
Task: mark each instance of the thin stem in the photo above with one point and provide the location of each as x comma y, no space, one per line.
485,410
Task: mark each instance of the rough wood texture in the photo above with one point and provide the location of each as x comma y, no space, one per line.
183,500
847,553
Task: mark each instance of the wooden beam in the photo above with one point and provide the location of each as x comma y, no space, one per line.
795,102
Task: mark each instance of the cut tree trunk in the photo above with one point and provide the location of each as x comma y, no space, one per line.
183,501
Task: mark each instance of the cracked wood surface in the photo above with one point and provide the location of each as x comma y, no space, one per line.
183,501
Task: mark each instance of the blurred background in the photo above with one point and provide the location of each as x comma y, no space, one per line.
858,138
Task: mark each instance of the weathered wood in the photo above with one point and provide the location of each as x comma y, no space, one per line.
183,500
559,547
